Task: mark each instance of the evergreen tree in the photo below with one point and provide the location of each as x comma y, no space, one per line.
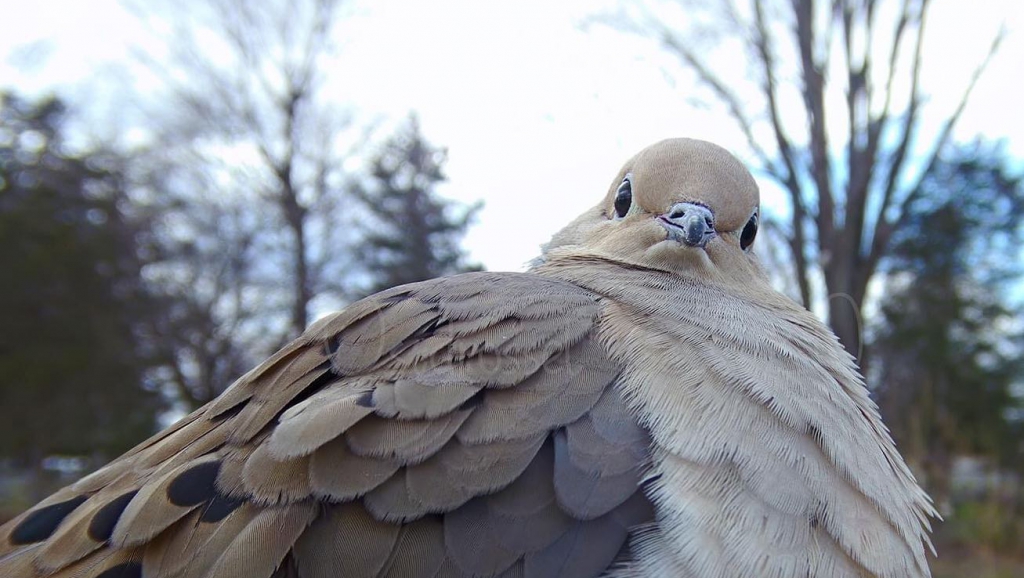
411,233
950,352
73,357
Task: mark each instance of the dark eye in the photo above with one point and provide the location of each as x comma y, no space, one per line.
624,197
749,232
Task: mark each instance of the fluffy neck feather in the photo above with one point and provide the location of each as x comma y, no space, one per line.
770,457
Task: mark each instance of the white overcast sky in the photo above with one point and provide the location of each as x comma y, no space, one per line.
537,114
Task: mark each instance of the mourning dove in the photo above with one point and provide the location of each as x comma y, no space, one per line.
640,403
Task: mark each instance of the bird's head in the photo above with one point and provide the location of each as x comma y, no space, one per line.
680,205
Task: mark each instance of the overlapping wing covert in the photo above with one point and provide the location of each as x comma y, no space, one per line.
465,426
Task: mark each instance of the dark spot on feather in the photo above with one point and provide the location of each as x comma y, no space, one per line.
102,524
40,524
124,570
365,399
195,485
814,521
219,508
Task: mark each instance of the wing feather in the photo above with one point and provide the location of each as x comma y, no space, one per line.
418,551
321,418
435,429
408,441
264,542
272,481
151,510
345,541
338,474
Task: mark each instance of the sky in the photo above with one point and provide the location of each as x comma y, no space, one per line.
537,111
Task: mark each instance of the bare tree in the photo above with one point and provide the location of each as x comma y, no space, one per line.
202,270
852,174
245,161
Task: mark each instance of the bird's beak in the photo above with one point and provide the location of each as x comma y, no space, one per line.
689,223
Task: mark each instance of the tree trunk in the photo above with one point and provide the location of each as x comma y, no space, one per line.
846,285
300,304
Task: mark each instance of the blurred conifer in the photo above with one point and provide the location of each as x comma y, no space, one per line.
949,353
73,351
411,233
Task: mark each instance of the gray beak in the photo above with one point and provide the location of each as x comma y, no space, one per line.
689,223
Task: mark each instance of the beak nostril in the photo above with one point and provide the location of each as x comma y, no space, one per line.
682,210
690,223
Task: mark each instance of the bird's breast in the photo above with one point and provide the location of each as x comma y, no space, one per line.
745,424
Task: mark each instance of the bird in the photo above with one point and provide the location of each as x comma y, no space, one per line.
640,402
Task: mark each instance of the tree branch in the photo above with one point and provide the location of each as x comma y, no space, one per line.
887,227
857,109
814,99
909,124
731,100
763,44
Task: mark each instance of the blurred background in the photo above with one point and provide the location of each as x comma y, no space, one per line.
185,186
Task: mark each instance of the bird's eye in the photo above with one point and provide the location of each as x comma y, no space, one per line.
624,197
749,232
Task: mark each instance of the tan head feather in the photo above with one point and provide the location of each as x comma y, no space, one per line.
661,178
